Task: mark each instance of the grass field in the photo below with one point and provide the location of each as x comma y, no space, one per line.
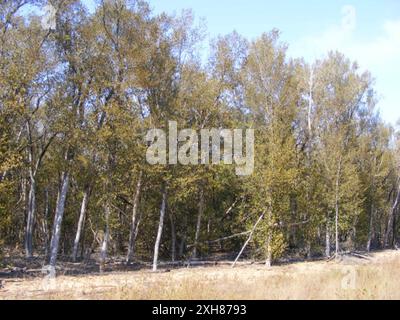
376,276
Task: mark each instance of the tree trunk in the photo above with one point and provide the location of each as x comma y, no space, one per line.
268,262
104,245
21,231
30,216
160,228
55,239
327,239
337,209
45,223
394,239
337,229
391,225
3,175
173,237
182,246
198,224
31,199
182,243
81,221
33,169
137,231
308,249
371,228
310,104
132,234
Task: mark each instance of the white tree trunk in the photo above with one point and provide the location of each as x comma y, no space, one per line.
55,239
33,169
310,102
45,223
160,229
390,225
3,175
30,216
337,248
82,216
22,232
198,224
337,230
31,199
268,262
133,233
327,239
104,245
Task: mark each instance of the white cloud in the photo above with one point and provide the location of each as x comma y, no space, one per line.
349,18
380,54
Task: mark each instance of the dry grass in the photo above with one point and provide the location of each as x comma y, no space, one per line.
377,277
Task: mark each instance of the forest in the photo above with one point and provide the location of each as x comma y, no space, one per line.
77,97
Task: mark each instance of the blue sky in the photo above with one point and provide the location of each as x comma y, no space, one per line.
365,30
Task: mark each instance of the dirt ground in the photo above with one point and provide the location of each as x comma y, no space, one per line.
374,276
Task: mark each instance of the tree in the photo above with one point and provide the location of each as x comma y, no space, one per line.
343,94
271,95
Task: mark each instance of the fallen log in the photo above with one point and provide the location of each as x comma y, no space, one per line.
221,239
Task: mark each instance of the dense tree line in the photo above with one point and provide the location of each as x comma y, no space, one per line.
77,98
